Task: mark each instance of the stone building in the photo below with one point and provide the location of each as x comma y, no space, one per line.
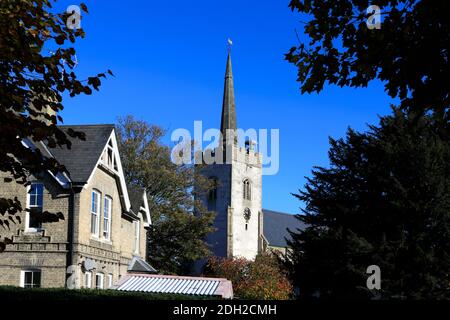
243,228
102,233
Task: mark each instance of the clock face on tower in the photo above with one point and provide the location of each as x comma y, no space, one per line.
247,214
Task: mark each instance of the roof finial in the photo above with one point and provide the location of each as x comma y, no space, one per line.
230,44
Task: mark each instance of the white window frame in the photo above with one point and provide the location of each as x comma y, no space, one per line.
110,280
137,236
107,221
88,279
99,276
22,277
97,214
29,206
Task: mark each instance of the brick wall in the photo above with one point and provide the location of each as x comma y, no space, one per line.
48,250
45,250
111,256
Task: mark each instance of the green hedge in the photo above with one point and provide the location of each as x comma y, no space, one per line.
15,293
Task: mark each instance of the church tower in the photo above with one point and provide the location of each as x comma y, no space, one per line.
237,195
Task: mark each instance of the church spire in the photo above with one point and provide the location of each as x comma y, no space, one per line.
228,105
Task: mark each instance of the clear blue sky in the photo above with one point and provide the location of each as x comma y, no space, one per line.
169,59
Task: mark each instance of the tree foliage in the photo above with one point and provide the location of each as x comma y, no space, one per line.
32,82
410,53
384,200
176,236
262,279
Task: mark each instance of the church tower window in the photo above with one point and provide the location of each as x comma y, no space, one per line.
247,190
212,194
247,216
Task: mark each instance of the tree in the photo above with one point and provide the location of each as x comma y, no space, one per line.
384,200
176,236
32,82
410,52
262,279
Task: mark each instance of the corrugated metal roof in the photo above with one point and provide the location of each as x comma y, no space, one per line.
176,285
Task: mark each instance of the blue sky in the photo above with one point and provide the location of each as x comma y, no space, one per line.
169,59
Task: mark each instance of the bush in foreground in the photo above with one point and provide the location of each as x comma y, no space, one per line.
261,279
60,294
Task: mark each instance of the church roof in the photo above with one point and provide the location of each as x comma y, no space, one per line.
228,106
275,225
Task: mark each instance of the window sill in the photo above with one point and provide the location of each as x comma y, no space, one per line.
33,230
102,240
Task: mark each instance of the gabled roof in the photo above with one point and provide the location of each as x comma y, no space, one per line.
136,198
275,225
139,265
139,203
81,159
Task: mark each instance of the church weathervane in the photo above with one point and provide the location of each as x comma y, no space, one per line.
229,45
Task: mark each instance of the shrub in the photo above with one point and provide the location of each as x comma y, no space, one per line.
261,279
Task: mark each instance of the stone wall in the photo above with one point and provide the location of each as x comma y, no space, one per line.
246,235
231,237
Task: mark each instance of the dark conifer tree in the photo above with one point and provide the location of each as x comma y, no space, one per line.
384,200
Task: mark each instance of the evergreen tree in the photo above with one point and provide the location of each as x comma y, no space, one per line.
384,200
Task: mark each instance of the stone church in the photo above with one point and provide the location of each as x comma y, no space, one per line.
243,227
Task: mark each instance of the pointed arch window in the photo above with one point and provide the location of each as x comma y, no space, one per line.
247,192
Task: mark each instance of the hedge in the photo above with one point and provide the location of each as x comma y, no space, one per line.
60,294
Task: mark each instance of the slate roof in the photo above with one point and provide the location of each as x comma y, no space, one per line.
86,152
136,198
275,225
